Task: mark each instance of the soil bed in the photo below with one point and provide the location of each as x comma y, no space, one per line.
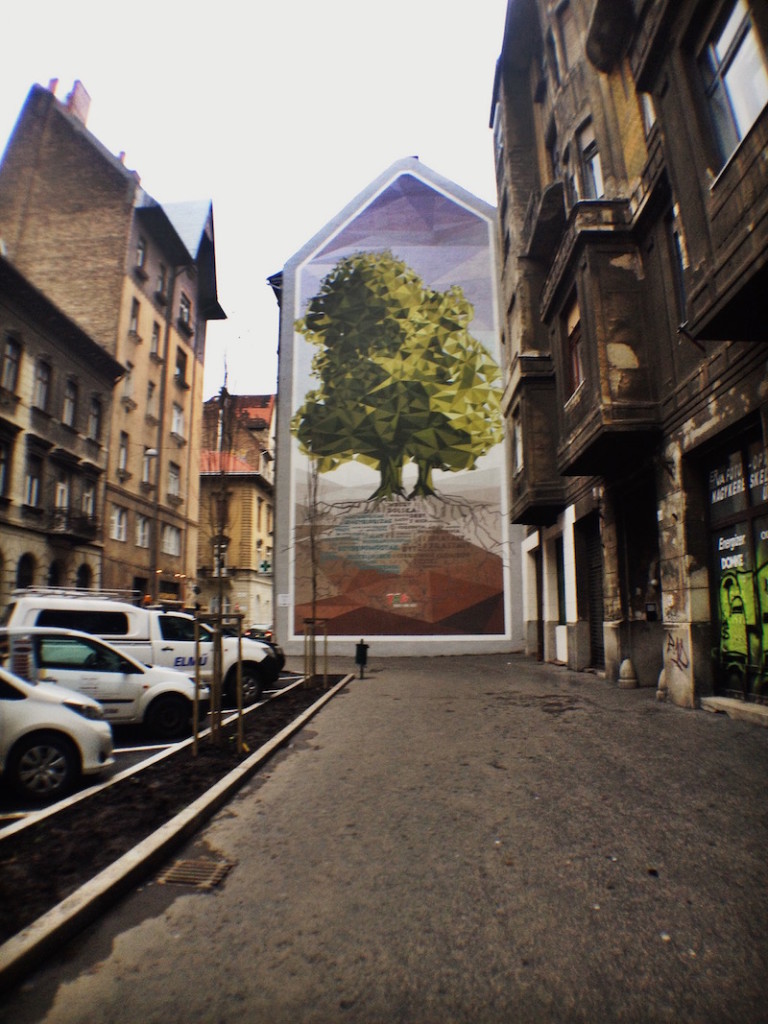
44,863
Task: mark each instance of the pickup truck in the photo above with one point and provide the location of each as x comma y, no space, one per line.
153,636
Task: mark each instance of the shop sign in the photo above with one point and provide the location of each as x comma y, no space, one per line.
757,473
727,488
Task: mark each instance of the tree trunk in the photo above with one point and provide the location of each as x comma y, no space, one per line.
423,487
391,482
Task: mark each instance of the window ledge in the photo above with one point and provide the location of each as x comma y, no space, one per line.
180,441
8,399
128,403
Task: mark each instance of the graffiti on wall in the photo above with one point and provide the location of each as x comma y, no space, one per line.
737,488
398,468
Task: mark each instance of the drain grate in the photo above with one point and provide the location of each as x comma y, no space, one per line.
202,874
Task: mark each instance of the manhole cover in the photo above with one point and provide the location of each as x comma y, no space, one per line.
203,874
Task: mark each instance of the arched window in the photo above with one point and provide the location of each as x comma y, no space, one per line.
84,577
25,571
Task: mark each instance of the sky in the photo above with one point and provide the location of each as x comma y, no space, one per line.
279,113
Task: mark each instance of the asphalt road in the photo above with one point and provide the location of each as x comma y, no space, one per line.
458,840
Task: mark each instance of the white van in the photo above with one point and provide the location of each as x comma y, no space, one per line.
163,639
130,693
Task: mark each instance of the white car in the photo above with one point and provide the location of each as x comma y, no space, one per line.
161,699
49,737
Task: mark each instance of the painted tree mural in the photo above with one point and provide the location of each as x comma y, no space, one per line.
401,379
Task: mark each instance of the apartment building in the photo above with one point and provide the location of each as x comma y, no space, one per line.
630,142
56,388
237,507
140,279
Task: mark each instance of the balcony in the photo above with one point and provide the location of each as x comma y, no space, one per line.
538,489
612,417
726,299
64,524
545,222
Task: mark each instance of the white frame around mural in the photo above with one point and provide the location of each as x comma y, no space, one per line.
301,277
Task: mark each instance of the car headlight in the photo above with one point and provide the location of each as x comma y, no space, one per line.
86,710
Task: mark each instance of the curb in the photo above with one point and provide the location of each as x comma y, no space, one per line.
739,710
20,954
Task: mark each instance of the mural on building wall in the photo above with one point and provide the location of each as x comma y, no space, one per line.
398,468
738,487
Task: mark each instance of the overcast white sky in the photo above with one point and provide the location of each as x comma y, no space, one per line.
279,112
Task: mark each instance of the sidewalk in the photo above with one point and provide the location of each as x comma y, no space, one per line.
475,840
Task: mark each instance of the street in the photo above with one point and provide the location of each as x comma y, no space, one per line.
477,839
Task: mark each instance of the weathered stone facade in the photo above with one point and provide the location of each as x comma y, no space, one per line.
52,456
139,278
634,278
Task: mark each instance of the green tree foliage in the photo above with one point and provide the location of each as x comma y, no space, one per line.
401,378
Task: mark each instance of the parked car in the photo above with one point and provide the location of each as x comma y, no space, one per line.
49,737
153,636
266,635
161,699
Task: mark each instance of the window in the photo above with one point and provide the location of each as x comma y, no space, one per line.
88,501
517,442
133,326
162,283
118,527
6,451
174,480
42,385
679,254
552,59
33,482
569,36
154,345
11,363
181,366
122,453
141,253
177,424
146,465
498,136
735,72
142,531
94,420
128,385
591,169
151,410
69,411
574,362
185,310
62,492
171,544
648,111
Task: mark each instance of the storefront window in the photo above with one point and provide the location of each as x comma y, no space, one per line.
738,503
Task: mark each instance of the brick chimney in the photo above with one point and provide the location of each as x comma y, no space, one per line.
79,102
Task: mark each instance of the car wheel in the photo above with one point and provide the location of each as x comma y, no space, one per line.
252,685
43,766
168,716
